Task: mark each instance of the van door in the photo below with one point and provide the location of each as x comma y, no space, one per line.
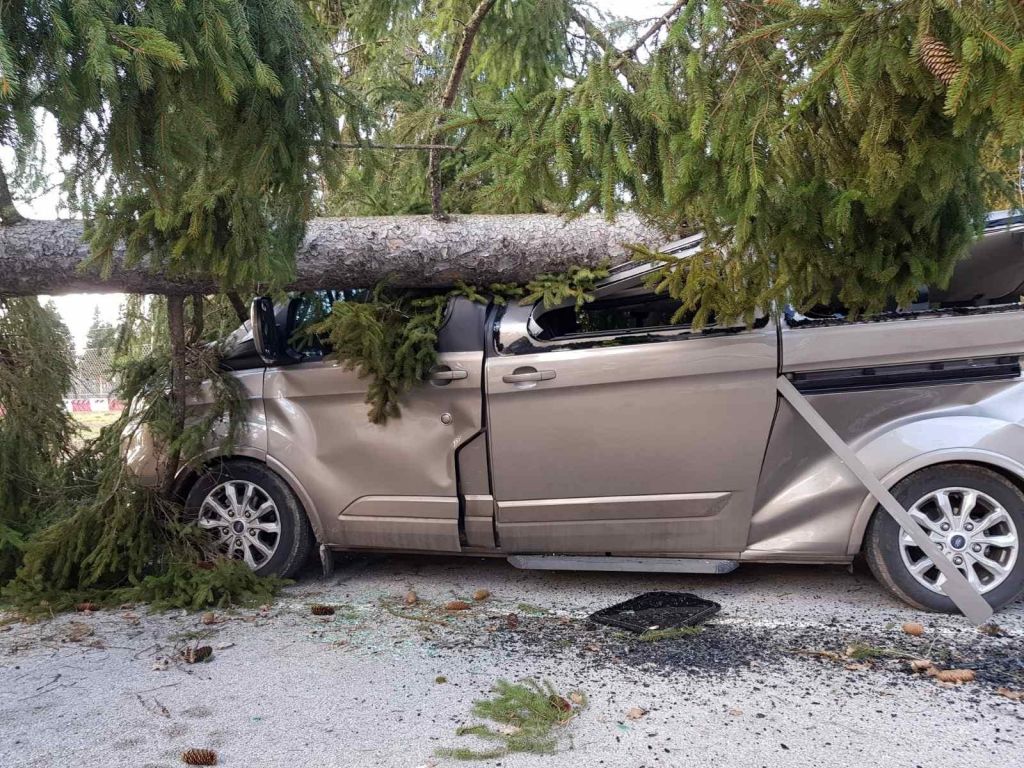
614,431
389,486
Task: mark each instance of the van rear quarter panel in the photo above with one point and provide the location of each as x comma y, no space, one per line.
808,506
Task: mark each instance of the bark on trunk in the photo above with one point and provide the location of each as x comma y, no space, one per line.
239,305
195,331
8,212
48,257
176,330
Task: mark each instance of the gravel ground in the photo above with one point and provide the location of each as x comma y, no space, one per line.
766,683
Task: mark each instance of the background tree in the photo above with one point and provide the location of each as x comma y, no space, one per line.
101,334
35,430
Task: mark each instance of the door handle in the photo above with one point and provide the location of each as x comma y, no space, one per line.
527,374
444,375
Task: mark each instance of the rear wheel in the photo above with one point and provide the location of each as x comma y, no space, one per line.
253,516
975,516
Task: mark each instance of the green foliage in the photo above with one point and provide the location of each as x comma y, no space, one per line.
527,713
145,381
833,163
810,141
576,284
110,539
35,429
398,57
101,334
390,339
223,583
197,133
106,535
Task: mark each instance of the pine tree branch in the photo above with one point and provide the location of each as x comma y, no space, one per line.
631,52
448,98
397,147
8,211
359,46
594,32
176,330
611,51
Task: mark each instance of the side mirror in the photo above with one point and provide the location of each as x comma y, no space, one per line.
265,333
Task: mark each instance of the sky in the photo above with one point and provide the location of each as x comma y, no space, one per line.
77,309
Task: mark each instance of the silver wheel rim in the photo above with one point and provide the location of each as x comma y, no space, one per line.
243,521
972,529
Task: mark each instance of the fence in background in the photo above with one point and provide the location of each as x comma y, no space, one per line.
93,405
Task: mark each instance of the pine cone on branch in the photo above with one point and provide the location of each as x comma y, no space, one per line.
937,59
199,757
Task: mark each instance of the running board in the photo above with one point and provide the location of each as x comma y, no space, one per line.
611,563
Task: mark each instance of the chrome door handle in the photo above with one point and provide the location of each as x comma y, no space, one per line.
521,375
445,375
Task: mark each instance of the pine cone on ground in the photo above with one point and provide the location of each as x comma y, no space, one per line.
197,654
938,59
321,610
199,757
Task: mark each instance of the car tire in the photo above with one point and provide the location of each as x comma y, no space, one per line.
252,515
979,492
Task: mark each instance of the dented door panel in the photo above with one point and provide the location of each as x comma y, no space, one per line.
387,485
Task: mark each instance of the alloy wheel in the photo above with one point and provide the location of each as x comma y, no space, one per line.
972,529
243,521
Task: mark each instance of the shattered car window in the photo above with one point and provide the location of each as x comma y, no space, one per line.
612,314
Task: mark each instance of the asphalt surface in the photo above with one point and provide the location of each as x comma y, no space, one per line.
803,666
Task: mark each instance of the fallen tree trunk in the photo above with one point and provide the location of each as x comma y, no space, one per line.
49,257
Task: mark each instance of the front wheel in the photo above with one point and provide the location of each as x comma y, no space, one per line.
974,515
253,516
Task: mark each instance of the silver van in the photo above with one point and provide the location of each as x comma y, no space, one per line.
611,438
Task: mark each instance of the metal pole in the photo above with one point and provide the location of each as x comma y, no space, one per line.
960,591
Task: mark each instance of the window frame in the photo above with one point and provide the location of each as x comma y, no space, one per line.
514,329
535,328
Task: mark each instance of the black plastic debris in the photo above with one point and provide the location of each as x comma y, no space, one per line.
657,610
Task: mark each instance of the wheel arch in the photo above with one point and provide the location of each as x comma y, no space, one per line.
188,476
190,473
1002,465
